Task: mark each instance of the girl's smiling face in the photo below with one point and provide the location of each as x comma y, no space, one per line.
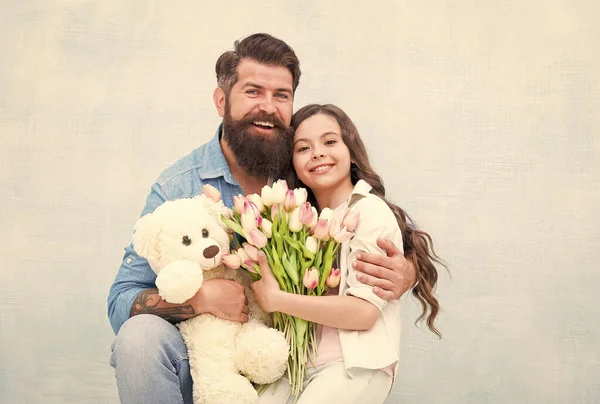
321,159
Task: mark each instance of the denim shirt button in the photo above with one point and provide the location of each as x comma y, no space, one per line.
128,260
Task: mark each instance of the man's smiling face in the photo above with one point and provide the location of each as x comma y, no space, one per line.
257,116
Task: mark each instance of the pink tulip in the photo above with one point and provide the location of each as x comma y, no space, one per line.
289,203
250,206
238,203
257,201
315,217
249,265
251,251
267,227
266,194
301,195
279,190
232,261
257,238
274,211
343,235
334,227
248,221
351,221
311,278
322,230
334,277
242,254
306,214
311,244
295,223
212,192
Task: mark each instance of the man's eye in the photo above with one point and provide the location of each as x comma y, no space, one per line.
252,92
282,96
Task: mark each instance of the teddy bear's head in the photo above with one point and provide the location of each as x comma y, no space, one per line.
187,229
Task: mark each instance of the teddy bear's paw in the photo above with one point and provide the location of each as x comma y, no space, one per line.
232,388
262,354
179,281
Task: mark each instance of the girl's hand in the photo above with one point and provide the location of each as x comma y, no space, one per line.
266,289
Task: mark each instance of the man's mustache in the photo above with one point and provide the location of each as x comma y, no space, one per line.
264,117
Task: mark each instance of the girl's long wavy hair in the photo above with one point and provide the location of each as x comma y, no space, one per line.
418,245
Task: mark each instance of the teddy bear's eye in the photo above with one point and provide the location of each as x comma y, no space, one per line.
204,233
186,240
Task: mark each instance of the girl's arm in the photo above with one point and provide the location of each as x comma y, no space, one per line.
345,312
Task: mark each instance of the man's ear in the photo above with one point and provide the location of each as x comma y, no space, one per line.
219,100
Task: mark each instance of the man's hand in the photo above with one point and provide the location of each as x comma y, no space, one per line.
390,276
222,298
266,289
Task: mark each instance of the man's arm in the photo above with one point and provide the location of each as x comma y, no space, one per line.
390,276
220,297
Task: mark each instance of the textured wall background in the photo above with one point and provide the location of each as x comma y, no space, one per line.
481,116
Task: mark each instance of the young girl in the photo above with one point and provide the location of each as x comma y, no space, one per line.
358,333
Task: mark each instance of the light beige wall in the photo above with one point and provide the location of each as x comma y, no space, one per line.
481,116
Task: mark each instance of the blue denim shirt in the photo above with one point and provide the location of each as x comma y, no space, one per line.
184,179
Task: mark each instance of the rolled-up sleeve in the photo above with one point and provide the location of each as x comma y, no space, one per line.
376,220
134,274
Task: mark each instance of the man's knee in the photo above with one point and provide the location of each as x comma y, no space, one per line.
147,337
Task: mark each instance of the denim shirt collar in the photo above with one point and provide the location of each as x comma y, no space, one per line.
213,162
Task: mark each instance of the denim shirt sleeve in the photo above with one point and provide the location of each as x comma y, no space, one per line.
135,274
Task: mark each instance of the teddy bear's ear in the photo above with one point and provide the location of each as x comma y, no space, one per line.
145,237
216,209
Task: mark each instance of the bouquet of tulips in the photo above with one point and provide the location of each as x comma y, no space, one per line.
300,247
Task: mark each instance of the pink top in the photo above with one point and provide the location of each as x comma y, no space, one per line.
329,349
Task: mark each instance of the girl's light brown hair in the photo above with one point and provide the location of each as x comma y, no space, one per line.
418,245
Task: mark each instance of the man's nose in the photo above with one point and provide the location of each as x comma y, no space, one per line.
267,105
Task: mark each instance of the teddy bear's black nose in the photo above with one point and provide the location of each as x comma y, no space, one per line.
210,251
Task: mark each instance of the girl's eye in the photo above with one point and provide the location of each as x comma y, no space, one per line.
331,142
302,149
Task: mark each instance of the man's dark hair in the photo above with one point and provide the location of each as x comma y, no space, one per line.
261,48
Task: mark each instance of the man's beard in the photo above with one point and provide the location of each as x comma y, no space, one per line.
259,154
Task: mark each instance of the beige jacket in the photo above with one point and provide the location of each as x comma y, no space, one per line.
378,347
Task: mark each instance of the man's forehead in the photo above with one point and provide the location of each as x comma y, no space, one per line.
250,71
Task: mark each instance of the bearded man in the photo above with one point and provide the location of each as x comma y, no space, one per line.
256,86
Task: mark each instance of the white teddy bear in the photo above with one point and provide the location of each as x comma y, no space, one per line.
183,241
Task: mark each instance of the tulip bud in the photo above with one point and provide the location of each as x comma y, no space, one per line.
311,244
212,192
251,251
279,190
248,221
238,203
351,220
322,230
257,201
333,279
257,238
249,265
295,223
311,278
314,218
326,214
306,213
301,195
334,227
266,194
343,235
242,254
232,261
274,211
267,227
289,202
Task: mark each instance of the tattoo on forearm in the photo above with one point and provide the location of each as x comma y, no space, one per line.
148,301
